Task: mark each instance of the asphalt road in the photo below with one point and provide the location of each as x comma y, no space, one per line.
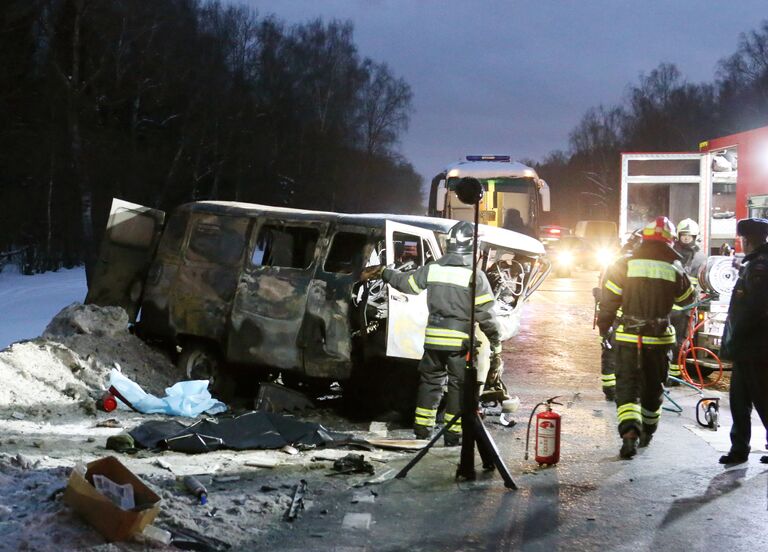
672,496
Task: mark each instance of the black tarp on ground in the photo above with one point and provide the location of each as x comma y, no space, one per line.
252,430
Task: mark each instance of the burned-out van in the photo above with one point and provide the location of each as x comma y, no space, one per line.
251,289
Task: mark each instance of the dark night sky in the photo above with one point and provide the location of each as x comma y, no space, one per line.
516,76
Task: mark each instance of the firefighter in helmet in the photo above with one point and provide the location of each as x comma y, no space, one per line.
645,286
607,342
447,282
692,259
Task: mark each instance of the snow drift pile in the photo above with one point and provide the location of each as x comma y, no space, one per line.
68,367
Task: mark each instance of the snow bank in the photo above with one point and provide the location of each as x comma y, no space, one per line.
67,369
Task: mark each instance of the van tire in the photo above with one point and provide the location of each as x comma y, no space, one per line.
200,361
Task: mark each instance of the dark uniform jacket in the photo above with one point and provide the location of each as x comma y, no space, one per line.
645,286
748,311
447,282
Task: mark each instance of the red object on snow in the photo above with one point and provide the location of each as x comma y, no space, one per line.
107,402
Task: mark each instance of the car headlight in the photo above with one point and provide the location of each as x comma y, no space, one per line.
604,256
565,258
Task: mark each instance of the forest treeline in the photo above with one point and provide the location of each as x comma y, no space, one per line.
169,101
660,112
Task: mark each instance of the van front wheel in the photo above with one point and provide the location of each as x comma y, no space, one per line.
199,361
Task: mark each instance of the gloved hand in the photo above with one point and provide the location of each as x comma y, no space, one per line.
371,273
604,330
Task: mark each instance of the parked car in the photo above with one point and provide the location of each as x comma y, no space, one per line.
248,291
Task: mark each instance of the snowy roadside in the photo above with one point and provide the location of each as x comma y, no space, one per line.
49,423
28,303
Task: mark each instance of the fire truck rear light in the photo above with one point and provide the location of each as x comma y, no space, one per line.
554,230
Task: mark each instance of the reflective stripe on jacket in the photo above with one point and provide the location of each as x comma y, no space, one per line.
447,282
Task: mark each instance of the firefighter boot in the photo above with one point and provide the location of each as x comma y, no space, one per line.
422,432
452,439
646,435
610,393
628,445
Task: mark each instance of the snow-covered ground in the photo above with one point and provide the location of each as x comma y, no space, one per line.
27,303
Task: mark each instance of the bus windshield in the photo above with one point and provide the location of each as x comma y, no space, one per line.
514,201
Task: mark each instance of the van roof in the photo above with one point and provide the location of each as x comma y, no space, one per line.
492,235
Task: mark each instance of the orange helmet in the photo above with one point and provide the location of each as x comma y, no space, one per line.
661,230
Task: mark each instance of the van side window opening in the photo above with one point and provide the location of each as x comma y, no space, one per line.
346,253
285,246
215,242
173,234
407,248
132,229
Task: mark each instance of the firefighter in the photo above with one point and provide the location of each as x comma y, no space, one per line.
744,341
644,286
447,282
607,342
692,259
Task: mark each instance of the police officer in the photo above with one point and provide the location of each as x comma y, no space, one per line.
692,259
745,341
607,342
644,286
447,282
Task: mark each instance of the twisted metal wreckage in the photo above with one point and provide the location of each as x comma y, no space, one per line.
245,289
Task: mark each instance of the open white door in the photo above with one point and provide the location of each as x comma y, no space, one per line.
408,314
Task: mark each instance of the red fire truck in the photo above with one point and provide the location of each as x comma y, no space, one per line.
726,180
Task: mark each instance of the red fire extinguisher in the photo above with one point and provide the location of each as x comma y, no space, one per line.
547,446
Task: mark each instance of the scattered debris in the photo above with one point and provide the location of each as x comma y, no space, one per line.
386,476
262,463
297,503
378,429
163,464
273,397
363,497
356,521
352,463
109,519
194,486
288,449
110,423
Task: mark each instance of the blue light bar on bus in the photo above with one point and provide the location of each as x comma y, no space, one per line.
489,158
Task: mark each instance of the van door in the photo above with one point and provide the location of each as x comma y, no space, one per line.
202,293
126,251
326,335
407,318
271,298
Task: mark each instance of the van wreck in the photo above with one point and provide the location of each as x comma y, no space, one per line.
253,290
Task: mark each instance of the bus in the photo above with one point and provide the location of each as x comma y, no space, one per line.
514,196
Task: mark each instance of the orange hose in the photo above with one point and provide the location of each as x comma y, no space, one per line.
688,348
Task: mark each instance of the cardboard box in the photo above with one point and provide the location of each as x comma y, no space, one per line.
98,510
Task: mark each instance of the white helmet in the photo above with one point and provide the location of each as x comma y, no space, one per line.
688,226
